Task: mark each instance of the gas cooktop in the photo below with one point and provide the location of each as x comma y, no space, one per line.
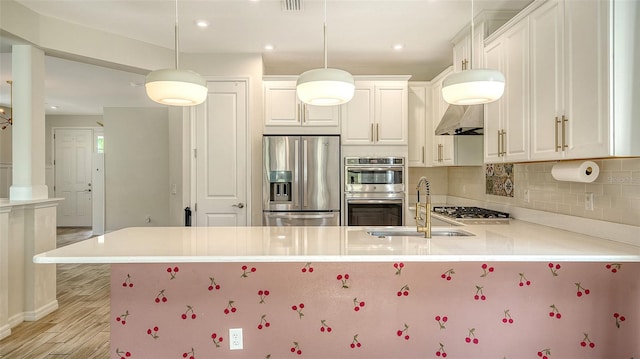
472,215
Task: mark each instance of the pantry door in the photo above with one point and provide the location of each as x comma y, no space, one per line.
73,151
221,156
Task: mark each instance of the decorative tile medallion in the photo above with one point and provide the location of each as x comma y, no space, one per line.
499,179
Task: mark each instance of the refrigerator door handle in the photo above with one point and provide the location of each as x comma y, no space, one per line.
296,173
305,172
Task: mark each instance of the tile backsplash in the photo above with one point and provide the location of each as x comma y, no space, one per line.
499,179
616,191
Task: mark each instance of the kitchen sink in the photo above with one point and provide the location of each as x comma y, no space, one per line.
435,232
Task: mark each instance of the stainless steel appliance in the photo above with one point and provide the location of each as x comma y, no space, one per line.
374,191
301,180
472,215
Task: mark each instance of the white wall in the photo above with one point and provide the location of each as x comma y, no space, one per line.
136,167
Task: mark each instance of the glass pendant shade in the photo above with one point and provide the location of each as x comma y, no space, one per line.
325,87
473,87
176,87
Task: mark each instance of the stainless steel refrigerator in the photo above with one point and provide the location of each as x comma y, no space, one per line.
301,180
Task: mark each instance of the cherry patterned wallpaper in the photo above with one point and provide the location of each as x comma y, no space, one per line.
478,310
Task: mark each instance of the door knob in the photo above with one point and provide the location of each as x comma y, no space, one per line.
239,205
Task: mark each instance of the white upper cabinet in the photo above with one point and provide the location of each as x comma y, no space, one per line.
583,95
377,114
442,146
420,124
283,108
570,80
462,49
507,119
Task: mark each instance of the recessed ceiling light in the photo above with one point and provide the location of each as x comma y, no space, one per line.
269,47
398,47
202,23
54,107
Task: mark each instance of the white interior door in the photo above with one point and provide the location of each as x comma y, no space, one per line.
221,156
73,150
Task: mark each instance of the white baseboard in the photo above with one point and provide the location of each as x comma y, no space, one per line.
5,331
32,316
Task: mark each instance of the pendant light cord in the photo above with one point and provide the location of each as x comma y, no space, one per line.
325,34
176,35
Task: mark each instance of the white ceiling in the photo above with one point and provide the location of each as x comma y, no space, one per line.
361,34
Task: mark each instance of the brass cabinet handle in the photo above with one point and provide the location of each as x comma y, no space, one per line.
556,132
377,132
372,132
504,143
499,143
564,132
423,154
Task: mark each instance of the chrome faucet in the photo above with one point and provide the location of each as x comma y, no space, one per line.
423,224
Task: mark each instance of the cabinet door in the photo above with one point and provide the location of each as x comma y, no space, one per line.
357,115
281,106
494,59
321,115
516,97
391,113
547,78
419,100
461,56
587,78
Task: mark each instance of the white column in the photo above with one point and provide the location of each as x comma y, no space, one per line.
5,327
28,144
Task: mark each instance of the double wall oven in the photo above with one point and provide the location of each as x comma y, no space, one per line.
374,191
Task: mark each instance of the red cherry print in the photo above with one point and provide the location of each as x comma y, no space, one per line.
226,311
214,335
399,294
614,270
437,318
399,332
583,343
124,322
164,299
210,287
155,329
148,331
311,270
322,329
361,304
405,293
551,314
358,345
294,307
467,339
244,267
504,320
169,270
266,292
233,310
253,269
558,315
193,316
442,276
267,324
587,291
260,292
339,277
328,329
259,326
395,265
622,319
157,300
616,315
184,316
293,350
483,297
592,345
221,338
124,284
304,270
176,269
301,306
521,284
406,337
353,345
475,340
299,352
444,319
117,319
356,308
346,276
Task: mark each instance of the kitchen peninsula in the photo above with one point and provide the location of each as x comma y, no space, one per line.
336,292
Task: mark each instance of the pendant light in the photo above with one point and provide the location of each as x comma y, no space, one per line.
176,87
325,86
473,86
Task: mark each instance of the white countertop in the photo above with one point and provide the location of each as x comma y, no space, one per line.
518,241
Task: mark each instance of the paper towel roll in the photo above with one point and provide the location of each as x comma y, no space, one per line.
576,171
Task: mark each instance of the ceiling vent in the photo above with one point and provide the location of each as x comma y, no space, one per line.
292,5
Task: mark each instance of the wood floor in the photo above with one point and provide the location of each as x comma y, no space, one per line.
79,329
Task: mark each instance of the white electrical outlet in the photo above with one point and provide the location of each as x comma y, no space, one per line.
588,201
526,196
235,338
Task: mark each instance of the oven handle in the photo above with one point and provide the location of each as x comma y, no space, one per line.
360,169
374,201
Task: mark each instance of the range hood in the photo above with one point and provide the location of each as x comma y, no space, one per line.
462,120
